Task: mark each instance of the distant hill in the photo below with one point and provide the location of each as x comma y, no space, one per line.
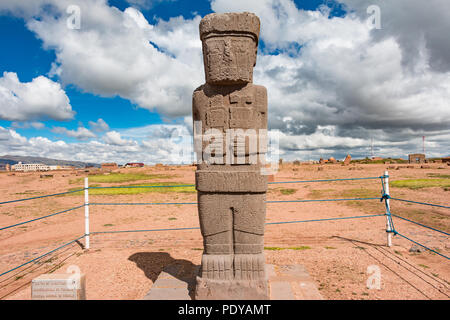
26,159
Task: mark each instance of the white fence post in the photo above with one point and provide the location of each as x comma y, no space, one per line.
388,210
86,213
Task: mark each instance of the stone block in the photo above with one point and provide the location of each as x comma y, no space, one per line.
67,286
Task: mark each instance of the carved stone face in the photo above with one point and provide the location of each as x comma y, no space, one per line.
229,59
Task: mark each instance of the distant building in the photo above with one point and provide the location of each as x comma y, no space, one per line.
26,167
347,160
416,158
134,165
109,166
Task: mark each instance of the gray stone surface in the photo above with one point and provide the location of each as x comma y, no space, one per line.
284,283
65,286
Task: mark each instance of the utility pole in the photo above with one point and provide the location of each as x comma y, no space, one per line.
371,148
423,144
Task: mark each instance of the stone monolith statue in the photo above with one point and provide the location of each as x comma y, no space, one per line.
232,192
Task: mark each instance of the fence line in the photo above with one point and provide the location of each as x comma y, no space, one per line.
420,224
429,249
41,256
39,197
50,215
390,229
268,223
423,203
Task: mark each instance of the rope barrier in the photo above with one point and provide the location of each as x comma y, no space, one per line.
45,254
268,223
327,219
139,203
401,235
424,203
182,203
126,187
420,224
326,180
50,215
175,186
319,200
39,197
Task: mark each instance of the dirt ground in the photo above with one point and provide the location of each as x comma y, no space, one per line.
336,253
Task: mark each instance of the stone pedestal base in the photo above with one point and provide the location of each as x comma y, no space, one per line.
291,282
208,289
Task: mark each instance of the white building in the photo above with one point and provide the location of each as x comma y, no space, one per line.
32,167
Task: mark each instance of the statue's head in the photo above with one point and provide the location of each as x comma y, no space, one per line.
230,43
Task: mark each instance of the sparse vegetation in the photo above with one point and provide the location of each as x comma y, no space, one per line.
290,248
287,192
121,177
415,184
136,190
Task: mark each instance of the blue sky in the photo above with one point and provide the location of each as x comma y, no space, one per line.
309,59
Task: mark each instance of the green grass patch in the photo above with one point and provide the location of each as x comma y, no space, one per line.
360,193
415,184
172,218
121,177
290,248
330,248
287,192
320,194
108,225
438,175
136,190
424,266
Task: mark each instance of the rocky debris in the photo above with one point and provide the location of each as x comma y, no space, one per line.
416,249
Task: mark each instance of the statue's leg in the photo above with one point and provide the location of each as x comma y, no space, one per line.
249,218
216,227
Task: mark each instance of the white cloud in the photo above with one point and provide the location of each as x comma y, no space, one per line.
26,125
99,126
114,138
81,133
119,53
41,98
337,72
332,85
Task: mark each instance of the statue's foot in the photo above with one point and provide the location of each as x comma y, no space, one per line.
218,267
249,266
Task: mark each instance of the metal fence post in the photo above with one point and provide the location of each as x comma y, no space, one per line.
86,213
388,210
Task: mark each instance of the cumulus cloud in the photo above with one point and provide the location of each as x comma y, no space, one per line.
118,147
41,98
338,73
333,83
26,125
114,138
146,4
99,126
81,133
119,53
